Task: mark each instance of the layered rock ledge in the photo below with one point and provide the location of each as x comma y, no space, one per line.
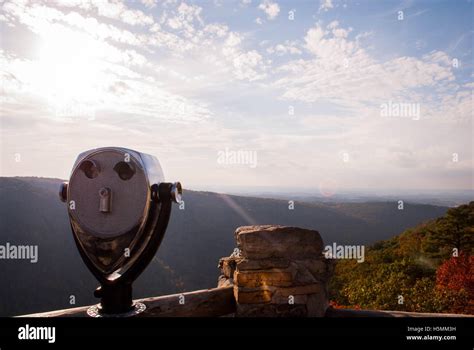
277,271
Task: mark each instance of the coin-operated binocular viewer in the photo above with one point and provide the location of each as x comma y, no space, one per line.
119,207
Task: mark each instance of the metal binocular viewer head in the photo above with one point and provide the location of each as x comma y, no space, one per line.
119,207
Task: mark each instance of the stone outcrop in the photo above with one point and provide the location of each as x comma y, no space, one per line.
277,271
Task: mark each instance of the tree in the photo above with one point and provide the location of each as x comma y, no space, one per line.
454,230
455,284
457,274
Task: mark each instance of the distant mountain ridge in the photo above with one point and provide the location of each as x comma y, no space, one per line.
31,213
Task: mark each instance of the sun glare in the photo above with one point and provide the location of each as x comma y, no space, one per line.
69,69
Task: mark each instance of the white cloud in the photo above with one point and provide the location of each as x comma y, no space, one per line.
220,30
233,39
246,65
82,4
271,9
118,10
190,12
344,73
112,9
325,5
185,19
288,47
333,25
40,18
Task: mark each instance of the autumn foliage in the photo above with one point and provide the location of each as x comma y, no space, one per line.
455,276
457,273
428,268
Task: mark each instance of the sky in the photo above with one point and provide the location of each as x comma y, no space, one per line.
330,95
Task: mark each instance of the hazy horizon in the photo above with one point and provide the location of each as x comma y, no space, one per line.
334,195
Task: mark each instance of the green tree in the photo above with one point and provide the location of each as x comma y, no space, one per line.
454,230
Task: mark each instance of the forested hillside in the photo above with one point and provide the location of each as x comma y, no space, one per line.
428,268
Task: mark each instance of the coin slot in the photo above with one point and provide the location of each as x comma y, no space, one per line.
105,199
